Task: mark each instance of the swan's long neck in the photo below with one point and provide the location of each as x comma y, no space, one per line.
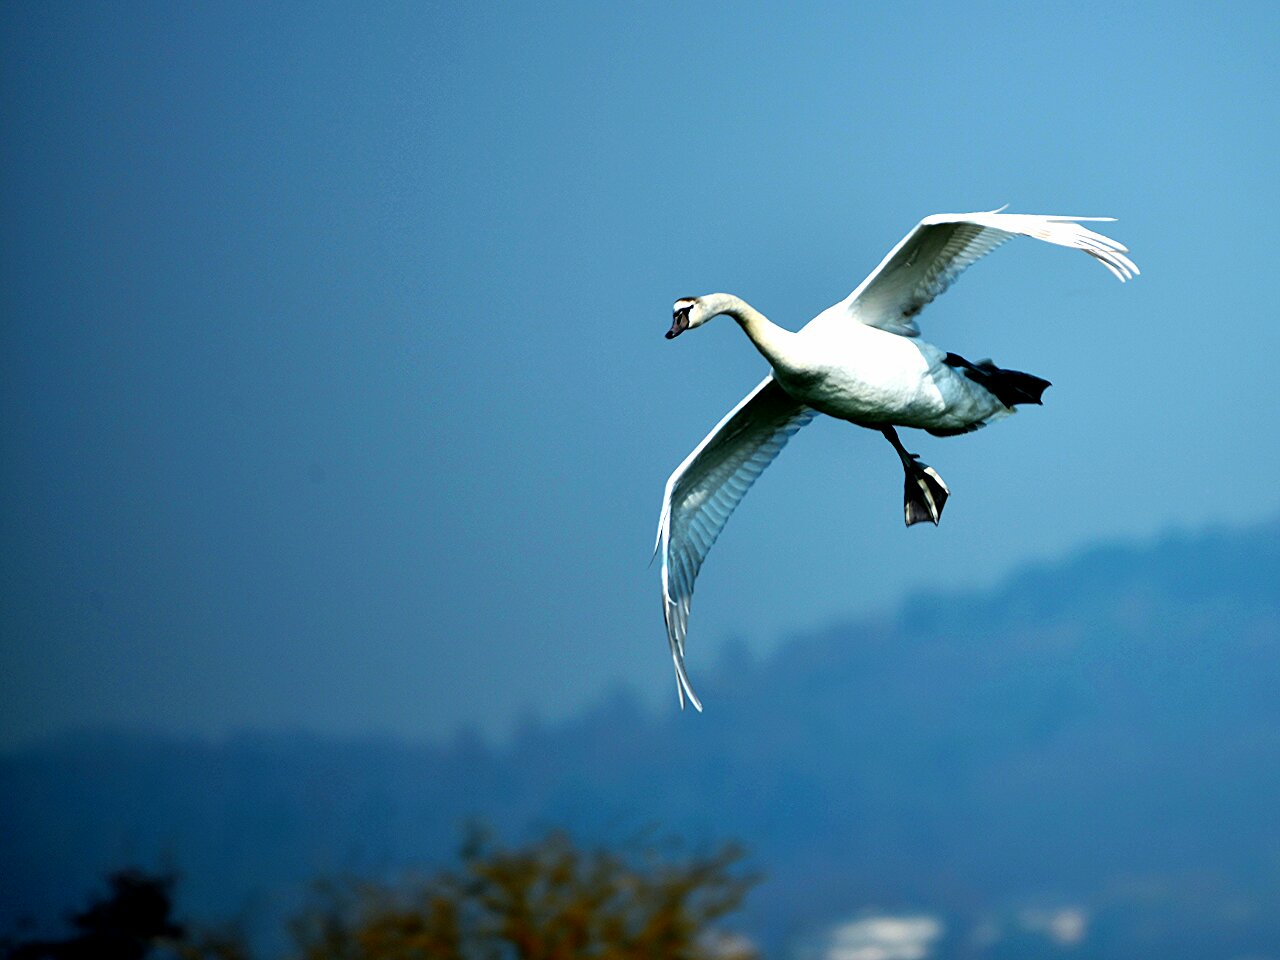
770,339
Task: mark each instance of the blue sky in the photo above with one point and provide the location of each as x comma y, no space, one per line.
334,389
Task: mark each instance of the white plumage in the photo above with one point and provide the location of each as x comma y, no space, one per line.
861,360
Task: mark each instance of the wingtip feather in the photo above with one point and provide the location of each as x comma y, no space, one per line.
683,687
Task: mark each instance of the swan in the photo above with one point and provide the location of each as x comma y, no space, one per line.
860,360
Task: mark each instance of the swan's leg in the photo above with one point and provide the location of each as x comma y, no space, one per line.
924,492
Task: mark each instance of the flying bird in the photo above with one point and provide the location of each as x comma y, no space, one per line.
863,361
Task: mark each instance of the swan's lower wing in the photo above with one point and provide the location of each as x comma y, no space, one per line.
941,247
706,488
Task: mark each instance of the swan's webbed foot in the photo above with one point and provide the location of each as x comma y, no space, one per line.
924,493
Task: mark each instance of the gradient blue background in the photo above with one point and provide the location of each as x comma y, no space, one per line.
334,393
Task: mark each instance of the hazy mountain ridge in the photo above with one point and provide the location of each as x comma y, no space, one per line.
1100,726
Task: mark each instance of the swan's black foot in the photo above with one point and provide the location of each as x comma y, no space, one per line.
924,493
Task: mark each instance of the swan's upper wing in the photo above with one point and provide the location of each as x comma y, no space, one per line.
941,247
706,488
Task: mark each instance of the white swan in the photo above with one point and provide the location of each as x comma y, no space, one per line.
861,361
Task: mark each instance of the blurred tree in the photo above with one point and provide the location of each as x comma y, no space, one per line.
132,922
549,900
125,925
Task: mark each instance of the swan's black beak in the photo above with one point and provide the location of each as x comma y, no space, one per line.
679,324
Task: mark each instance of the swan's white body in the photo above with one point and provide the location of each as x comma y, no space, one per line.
869,376
860,360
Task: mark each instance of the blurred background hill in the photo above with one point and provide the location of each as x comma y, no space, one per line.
1095,743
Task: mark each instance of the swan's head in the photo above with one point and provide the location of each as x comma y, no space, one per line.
687,313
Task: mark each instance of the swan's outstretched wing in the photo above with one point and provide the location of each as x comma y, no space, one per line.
941,247
706,488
